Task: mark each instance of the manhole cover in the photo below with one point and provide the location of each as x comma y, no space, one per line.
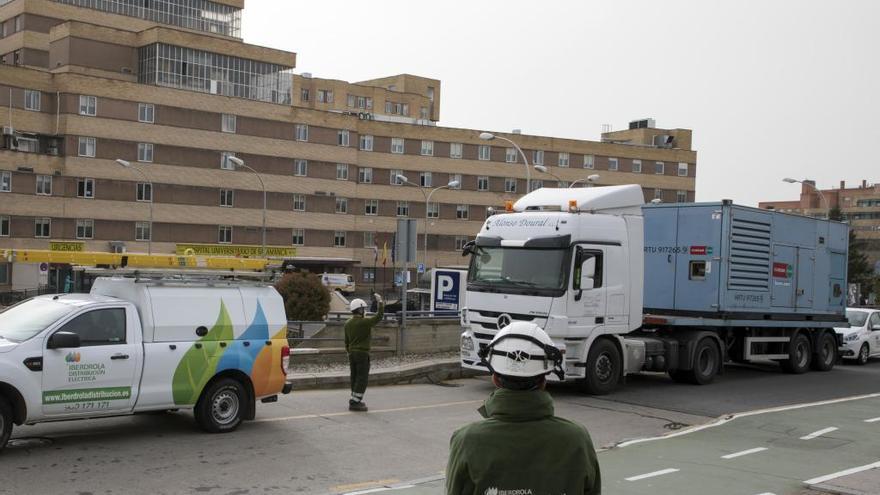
28,443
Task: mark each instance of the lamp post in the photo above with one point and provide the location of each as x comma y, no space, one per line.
127,164
452,184
591,180
821,196
543,169
488,136
239,163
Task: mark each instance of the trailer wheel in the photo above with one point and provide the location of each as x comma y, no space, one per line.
706,363
799,354
826,353
6,420
603,368
221,407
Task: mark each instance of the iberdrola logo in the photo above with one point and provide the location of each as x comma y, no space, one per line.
73,357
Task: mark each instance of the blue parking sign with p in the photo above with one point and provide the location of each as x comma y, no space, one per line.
447,286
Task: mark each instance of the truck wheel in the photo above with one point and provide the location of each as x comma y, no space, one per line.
799,354
826,353
707,362
5,422
221,407
603,368
864,353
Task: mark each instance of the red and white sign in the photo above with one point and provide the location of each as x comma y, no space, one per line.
780,270
698,251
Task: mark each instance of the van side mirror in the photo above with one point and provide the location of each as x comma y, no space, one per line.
588,273
63,340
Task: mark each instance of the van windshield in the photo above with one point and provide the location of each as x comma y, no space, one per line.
519,270
27,319
857,318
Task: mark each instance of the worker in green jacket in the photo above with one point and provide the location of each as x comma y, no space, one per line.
358,334
521,447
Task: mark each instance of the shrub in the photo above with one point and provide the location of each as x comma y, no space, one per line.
305,297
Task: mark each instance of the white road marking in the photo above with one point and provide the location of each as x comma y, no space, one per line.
651,475
819,433
767,493
744,452
872,420
846,472
372,411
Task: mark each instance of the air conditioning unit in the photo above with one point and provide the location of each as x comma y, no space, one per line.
8,130
643,124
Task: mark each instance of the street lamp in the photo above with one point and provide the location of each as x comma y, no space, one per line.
451,185
239,163
543,169
591,179
821,196
127,164
488,136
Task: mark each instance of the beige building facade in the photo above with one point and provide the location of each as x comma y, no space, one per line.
173,91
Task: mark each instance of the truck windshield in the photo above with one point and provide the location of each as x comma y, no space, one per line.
28,318
857,318
519,270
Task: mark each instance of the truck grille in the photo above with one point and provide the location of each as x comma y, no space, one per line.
749,255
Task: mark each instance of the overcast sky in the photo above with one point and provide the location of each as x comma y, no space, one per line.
771,88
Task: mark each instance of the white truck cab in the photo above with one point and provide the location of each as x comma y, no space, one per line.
137,345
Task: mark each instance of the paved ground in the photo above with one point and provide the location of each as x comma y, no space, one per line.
309,443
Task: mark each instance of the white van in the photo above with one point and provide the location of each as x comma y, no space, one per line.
338,281
133,345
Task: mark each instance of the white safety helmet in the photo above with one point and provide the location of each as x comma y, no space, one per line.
522,350
356,304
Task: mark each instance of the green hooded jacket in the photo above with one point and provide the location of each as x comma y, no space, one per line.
522,449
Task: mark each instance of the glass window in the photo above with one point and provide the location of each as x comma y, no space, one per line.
99,327
343,137
455,150
342,205
462,212
396,179
224,234
42,227
87,147
682,169
511,155
5,181
512,269
225,162
365,175
26,319
397,146
341,171
369,274
427,148
563,159
146,113
659,168
366,142
229,123
301,168
457,179
200,15
369,239
325,96
460,241
403,208
538,157
299,237
32,100
589,161
144,192
301,132
681,196
4,226
143,231
145,152
88,105
482,183
484,152
371,207
637,166
658,194
510,185
85,188
537,184
857,318
299,202
613,164
44,185
227,198
425,179
433,210
85,229
339,238
304,94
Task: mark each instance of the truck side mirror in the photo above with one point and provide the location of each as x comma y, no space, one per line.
588,273
468,248
63,340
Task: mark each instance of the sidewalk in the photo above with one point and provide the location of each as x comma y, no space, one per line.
863,483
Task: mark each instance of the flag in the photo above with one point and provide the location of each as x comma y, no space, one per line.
385,254
394,249
375,253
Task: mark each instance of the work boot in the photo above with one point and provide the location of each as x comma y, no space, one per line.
357,406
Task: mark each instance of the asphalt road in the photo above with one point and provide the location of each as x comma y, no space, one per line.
310,443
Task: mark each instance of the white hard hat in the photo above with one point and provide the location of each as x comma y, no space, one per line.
522,350
356,304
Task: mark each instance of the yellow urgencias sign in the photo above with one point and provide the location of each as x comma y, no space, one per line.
234,250
67,246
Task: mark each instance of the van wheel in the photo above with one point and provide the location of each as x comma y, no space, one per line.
221,407
5,422
826,353
799,354
707,362
864,353
603,368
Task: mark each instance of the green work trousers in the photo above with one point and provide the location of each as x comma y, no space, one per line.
360,374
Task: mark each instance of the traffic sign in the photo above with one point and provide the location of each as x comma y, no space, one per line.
421,268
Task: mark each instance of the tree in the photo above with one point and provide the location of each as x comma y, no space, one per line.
859,270
305,297
835,214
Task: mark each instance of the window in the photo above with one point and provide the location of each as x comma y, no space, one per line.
681,196
17,26
85,188
299,237
510,155
510,185
365,175
427,148
396,179
613,164
343,137
589,161
682,169
537,184
366,142
423,112
145,152
462,212
142,231
341,171
301,132
304,94
482,183
659,168
4,226
85,229
42,227
538,157
87,147
484,152
227,198
225,162
229,123
658,194
351,100
342,205
44,185
425,179
144,192
457,179
403,208
455,150
369,239
301,168
460,241
339,238
98,328
371,207
32,100
224,234
88,105
299,202
563,160
433,210
5,181
580,258
325,96
637,166
146,113
397,146
369,274
697,270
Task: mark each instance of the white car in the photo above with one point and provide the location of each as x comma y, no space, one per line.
862,339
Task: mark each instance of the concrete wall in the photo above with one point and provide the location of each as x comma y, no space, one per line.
420,337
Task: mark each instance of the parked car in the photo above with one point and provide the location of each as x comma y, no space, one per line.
861,340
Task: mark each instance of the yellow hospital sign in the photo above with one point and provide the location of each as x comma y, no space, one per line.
234,250
67,246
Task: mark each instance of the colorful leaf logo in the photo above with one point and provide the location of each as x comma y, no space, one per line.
199,364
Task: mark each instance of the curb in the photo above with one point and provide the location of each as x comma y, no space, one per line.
429,371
